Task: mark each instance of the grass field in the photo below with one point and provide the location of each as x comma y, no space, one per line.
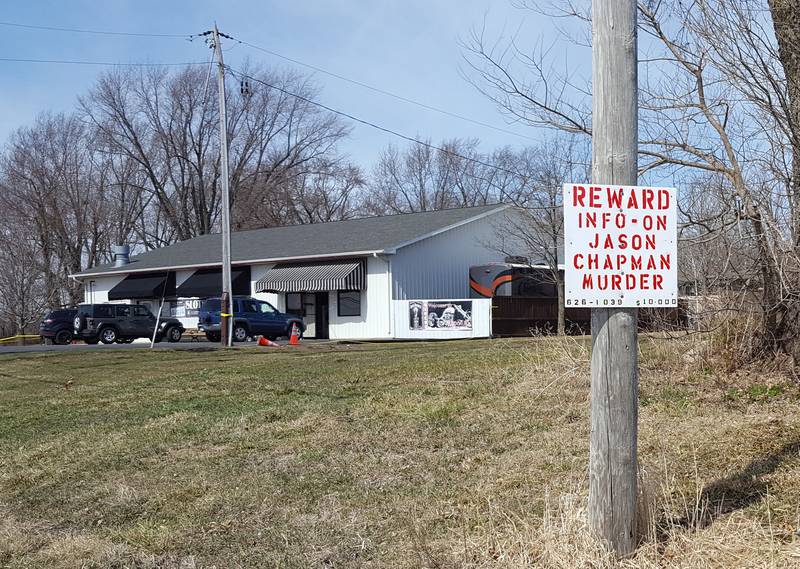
458,454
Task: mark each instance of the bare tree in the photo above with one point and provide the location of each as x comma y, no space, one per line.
423,178
536,227
713,100
23,296
323,190
51,181
166,124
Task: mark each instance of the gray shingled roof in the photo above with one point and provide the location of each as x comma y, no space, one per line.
320,240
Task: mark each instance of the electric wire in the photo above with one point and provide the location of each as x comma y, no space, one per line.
387,130
109,63
95,32
349,116
285,58
384,92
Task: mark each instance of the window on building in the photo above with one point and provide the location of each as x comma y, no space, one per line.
349,303
294,303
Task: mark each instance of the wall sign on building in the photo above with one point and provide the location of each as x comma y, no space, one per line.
620,246
440,315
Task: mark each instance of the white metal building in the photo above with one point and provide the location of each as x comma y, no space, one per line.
399,276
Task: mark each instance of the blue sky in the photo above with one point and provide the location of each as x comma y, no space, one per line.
410,47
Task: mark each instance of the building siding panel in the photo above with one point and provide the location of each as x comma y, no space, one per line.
438,267
375,321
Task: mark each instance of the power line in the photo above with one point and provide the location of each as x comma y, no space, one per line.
392,132
110,63
94,32
286,58
384,92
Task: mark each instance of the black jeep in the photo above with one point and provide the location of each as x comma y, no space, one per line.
56,326
122,323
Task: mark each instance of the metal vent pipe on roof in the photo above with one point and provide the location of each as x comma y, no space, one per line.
122,255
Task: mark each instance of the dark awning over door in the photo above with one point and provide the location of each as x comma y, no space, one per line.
313,277
138,286
206,283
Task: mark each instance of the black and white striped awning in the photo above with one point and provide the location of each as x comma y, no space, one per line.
313,277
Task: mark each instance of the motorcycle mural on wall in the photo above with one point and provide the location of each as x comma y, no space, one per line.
440,315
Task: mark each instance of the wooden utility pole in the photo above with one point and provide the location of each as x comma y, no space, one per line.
613,491
226,301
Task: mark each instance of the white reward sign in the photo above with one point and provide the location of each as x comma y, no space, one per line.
620,246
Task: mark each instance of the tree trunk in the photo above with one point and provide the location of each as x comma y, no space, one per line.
784,316
786,21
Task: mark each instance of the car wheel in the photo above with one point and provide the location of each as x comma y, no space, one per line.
213,336
239,333
90,341
63,337
174,334
108,335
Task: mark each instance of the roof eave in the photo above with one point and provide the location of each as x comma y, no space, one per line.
122,270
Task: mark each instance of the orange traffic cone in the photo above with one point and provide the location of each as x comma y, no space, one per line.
294,339
262,341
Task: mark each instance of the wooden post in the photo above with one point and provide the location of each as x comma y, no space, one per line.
226,300
613,491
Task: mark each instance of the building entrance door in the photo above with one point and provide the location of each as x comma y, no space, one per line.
321,316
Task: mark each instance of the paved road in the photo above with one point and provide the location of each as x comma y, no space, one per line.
184,345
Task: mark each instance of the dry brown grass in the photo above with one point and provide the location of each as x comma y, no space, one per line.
464,454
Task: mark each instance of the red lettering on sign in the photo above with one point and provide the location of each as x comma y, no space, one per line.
666,261
614,197
587,282
657,280
578,193
575,261
594,196
647,198
663,199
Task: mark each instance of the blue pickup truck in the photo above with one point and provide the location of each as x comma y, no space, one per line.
251,317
